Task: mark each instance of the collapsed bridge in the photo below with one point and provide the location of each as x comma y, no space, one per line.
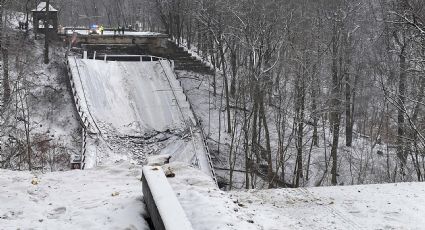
125,104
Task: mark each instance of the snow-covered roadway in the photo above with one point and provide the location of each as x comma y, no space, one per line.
138,109
132,98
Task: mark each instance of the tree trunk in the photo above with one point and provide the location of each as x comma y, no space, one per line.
348,98
46,33
335,117
234,64
226,85
6,82
254,132
268,145
300,130
401,100
4,43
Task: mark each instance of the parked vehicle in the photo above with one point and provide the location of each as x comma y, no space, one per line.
94,29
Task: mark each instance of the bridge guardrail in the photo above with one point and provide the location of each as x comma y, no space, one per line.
79,160
197,125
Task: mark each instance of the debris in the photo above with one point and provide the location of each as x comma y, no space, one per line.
169,173
35,181
115,194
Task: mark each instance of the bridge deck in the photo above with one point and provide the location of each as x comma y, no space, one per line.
138,99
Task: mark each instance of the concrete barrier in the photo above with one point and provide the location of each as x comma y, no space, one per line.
163,207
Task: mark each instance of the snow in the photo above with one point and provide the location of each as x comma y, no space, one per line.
102,198
138,99
133,97
110,197
158,160
168,206
386,206
42,7
109,32
205,205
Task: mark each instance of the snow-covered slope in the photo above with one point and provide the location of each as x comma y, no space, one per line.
111,198
386,206
102,198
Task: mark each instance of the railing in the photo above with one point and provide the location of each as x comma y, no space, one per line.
78,161
204,139
196,55
197,125
141,57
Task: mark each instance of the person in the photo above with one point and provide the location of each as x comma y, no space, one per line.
119,29
101,29
115,31
122,29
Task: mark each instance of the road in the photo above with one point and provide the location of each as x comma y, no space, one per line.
138,109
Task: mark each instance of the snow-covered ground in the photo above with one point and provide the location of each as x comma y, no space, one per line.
110,197
386,206
102,198
108,32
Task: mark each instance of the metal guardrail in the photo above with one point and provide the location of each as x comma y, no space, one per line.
197,125
78,161
105,56
201,58
204,139
142,58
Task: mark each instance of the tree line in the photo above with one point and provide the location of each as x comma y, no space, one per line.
304,78
312,89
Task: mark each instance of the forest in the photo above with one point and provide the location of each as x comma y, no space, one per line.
311,92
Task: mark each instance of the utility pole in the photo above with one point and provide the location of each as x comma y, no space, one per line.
46,34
